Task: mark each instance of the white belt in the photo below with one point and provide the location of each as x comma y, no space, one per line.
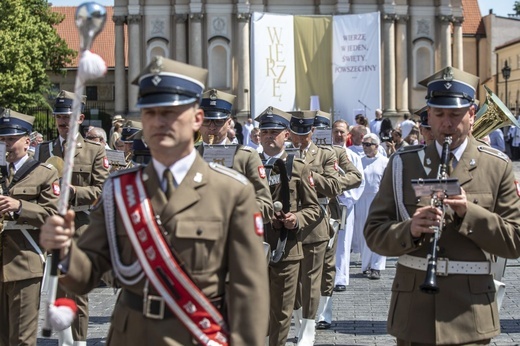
323,201
13,225
84,208
446,267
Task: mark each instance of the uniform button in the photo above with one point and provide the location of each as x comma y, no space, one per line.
403,244
475,201
199,231
470,231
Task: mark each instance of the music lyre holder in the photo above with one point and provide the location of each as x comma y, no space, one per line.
365,107
435,187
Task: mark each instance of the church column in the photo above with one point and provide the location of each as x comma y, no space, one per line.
119,69
402,65
389,65
458,55
243,87
195,44
445,53
134,60
180,37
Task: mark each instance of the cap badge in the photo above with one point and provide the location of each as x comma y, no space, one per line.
301,121
156,66
448,85
269,110
213,95
7,113
448,74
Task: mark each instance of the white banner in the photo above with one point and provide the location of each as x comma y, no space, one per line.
272,62
356,70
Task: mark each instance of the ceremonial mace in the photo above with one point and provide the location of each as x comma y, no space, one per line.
90,18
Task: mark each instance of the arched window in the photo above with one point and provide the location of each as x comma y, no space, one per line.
157,47
219,61
423,60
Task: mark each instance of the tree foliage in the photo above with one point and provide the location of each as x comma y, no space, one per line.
30,47
516,7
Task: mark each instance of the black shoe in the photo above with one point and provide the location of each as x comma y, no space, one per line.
339,288
375,275
367,272
323,325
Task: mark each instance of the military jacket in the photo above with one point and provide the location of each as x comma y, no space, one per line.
325,176
38,191
304,204
209,223
248,163
465,309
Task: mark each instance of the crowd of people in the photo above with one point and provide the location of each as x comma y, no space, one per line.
218,233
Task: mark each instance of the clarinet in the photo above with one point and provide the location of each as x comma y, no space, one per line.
430,282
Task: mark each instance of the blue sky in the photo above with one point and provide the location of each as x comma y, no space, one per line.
500,7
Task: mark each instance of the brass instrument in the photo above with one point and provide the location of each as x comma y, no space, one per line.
56,162
211,139
197,137
430,281
493,115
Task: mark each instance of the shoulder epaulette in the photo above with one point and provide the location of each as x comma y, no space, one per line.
124,171
325,147
92,142
47,165
229,172
246,148
410,149
492,151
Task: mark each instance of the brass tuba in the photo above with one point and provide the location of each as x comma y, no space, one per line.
493,115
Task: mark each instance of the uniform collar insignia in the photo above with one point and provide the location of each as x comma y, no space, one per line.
198,177
428,161
472,162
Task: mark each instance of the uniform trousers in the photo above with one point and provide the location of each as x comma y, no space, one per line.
408,343
20,302
308,295
328,274
283,282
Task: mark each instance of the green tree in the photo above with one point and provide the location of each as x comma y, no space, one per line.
516,7
30,46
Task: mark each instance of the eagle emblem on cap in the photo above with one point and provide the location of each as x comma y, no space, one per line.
156,66
6,113
213,94
269,110
448,74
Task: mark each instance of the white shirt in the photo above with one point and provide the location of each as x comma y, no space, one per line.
179,169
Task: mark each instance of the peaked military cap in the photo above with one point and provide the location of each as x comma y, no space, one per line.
302,122
14,124
273,119
64,101
322,119
166,82
129,129
450,88
217,104
423,115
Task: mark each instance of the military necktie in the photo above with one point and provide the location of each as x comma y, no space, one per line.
302,154
11,173
452,163
63,148
170,183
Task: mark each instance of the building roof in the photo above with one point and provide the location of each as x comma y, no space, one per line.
473,24
508,43
104,44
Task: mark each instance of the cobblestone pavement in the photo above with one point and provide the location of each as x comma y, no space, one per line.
359,314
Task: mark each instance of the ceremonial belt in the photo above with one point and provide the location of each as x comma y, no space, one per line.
83,208
13,226
183,297
446,267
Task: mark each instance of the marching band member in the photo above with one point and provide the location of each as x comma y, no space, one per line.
183,237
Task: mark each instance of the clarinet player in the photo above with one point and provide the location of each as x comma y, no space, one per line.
478,224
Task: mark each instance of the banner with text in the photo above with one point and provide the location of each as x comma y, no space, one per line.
356,59
272,62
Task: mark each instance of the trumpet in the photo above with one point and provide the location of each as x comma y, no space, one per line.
211,139
430,282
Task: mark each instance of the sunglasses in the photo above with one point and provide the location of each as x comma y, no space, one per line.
217,122
366,144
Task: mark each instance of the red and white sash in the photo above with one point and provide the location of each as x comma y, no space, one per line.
182,296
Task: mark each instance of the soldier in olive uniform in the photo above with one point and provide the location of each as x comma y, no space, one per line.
29,194
324,170
217,106
89,172
479,222
350,178
204,216
304,212
130,128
